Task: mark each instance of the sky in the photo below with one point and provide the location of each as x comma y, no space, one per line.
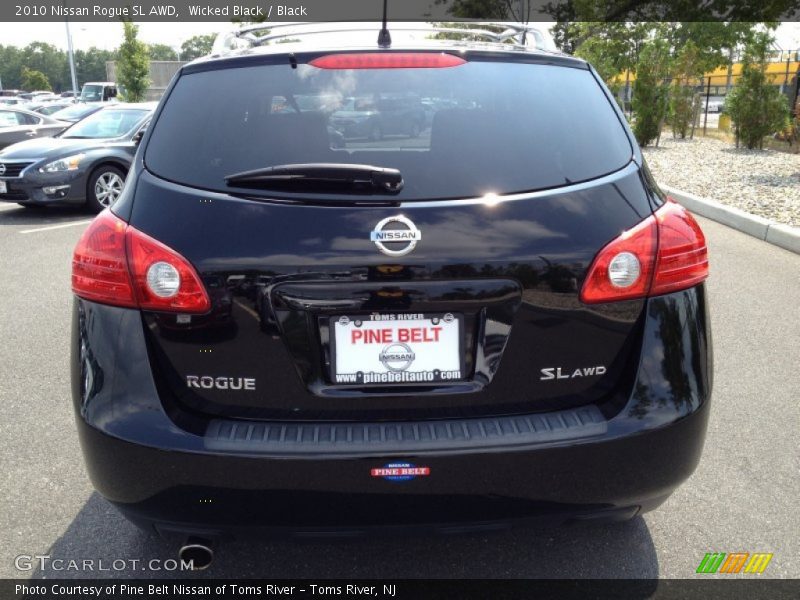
103,35
107,35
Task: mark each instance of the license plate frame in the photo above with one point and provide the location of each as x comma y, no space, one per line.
393,371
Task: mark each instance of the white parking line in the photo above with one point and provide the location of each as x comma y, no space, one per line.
61,226
249,310
4,206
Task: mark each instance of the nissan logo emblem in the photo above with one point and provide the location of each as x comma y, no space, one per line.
397,357
396,241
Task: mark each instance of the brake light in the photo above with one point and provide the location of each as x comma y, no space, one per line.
388,60
99,265
682,251
664,253
116,264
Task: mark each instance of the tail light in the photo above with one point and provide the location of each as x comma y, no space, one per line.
388,60
116,264
682,252
99,264
664,253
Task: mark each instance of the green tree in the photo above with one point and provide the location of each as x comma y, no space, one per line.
133,65
468,35
34,80
197,46
611,48
684,101
617,45
161,52
714,42
10,67
756,107
651,91
46,58
490,10
90,65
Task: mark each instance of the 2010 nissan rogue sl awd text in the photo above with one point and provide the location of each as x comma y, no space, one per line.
495,317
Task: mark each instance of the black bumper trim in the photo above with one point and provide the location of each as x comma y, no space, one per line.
369,438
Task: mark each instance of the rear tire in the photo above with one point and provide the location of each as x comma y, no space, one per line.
104,187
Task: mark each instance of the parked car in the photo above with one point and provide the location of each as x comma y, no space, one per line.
715,105
507,321
76,112
12,101
46,108
6,93
70,94
375,116
17,125
51,108
34,95
99,91
86,164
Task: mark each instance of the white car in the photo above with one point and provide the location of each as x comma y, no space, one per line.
715,105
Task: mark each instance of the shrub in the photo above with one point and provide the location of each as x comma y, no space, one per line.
756,107
650,92
683,103
34,80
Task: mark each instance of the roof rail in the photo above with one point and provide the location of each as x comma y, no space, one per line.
518,34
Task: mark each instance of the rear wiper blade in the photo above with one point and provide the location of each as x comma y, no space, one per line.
321,177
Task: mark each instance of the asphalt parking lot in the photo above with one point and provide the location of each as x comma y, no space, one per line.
743,497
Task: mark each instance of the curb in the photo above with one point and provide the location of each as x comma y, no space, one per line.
777,234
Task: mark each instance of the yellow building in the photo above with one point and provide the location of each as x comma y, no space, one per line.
780,73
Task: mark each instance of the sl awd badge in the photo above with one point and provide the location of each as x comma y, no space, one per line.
395,236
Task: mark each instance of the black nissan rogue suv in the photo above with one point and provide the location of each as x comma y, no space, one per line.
500,318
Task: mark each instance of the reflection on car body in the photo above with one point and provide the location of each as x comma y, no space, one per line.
375,116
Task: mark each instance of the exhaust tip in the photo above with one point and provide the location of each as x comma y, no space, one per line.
199,553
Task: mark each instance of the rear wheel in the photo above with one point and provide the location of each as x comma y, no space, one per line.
104,187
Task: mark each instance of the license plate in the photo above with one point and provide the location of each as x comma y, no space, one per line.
396,348
3,188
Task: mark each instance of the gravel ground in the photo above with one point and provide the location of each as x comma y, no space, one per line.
762,182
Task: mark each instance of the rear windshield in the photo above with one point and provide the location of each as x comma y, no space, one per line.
464,131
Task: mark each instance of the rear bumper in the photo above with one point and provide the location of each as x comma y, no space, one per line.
217,494
608,461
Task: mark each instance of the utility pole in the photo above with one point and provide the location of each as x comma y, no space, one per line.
71,56
785,86
729,78
708,96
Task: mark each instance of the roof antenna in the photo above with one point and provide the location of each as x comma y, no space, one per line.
384,37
